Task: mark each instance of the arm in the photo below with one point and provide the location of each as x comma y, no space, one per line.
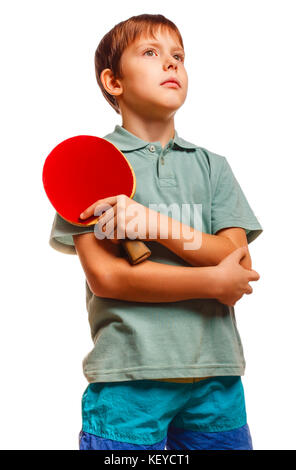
109,275
212,248
238,237
201,249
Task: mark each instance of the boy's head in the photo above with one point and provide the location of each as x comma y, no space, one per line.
135,58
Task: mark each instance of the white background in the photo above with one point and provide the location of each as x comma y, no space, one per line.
241,104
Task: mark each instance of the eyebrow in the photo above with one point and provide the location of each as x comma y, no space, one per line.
155,43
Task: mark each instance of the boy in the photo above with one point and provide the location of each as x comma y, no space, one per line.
167,360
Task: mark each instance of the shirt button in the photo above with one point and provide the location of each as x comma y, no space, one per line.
152,148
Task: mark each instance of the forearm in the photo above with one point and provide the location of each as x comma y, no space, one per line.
201,249
156,282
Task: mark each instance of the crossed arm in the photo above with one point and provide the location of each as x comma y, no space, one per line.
213,248
110,275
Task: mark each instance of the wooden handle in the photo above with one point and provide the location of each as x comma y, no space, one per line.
136,251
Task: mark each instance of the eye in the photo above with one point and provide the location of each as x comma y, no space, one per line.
149,50
181,57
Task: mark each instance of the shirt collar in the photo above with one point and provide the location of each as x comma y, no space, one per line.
126,141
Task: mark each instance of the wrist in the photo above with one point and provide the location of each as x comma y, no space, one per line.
164,228
215,281
218,285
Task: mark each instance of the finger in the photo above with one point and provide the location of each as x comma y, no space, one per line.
108,215
91,210
249,290
105,222
240,252
101,208
88,211
109,229
254,276
116,238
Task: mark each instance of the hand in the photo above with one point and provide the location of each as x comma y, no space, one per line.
121,217
233,279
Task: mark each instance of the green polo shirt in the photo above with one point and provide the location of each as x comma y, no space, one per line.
191,338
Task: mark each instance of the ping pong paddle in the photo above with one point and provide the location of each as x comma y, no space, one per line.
84,169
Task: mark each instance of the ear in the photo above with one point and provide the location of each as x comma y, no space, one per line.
112,86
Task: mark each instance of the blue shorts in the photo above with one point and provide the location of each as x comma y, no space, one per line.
147,414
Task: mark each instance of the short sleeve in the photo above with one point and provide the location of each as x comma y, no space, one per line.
230,207
61,235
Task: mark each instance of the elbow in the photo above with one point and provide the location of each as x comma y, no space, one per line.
105,284
226,249
246,261
233,243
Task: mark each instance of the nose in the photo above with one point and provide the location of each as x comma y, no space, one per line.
170,62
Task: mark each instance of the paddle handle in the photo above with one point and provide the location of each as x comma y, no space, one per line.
136,251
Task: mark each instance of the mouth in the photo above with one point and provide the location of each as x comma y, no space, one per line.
171,83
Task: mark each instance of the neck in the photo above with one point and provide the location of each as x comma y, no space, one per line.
151,131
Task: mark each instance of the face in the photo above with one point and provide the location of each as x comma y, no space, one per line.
146,65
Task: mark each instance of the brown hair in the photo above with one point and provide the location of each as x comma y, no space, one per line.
112,45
